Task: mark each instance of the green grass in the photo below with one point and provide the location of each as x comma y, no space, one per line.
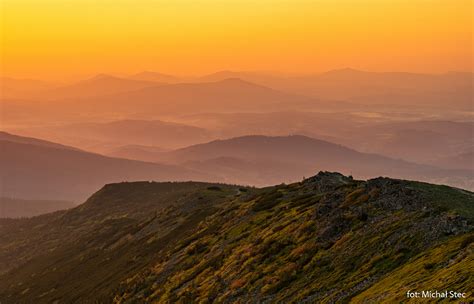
214,243
448,198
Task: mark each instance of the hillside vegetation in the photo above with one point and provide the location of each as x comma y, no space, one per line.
326,239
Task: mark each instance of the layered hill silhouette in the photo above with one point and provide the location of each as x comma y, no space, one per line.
98,85
4,136
110,97
157,77
375,89
137,152
420,141
117,133
460,161
228,95
34,169
263,160
415,140
453,90
20,88
328,238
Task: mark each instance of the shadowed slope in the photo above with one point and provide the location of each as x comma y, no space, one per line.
41,172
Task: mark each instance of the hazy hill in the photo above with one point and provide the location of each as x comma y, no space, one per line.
264,160
138,132
103,137
40,172
138,152
419,141
328,238
112,98
22,88
4,136
15,208
459,161
228,95
99,85
275,123
453,90
157,77
388,134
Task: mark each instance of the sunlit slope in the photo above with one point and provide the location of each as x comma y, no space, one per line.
328,238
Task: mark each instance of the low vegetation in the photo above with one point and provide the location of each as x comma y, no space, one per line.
326,239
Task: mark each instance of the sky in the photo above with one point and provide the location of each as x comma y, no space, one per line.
55,39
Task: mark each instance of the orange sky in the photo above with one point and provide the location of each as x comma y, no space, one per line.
63,38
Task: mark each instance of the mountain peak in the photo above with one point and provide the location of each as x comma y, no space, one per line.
152,74
102,76
155,76
344,71
236,81
326,180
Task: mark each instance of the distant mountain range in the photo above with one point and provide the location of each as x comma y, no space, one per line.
97,86
421,141
21,88
396,135
264,160
227,95
459,161
102,137
39,170
35,169
449,90
4,136
326,239
150,95
108,97
137,152
157,77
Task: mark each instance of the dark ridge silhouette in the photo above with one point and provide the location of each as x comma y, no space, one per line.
4,136
45,172
287,158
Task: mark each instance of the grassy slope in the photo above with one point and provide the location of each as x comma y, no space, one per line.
302,242
88,250
448,198
326,239
447,266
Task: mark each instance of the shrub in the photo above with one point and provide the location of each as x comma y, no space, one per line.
214,188
267,201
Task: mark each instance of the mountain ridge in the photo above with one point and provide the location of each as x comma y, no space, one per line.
327,238
288,158
43,172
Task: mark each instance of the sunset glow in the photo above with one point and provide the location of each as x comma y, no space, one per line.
55,39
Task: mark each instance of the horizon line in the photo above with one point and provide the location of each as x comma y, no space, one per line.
281,74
